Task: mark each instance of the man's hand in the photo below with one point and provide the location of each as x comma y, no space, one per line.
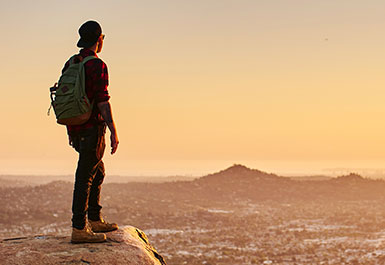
114,143
70,140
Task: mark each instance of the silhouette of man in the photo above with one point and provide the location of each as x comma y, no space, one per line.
89,141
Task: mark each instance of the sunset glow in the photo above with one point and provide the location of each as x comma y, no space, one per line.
196,85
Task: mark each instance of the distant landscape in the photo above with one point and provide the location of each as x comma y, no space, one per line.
23,180
235,216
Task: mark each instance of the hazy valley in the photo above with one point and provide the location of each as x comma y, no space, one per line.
235,216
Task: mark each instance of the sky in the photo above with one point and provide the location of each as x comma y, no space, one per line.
278,85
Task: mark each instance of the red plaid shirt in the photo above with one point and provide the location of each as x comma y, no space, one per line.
96,89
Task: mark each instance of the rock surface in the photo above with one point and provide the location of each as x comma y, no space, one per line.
128,245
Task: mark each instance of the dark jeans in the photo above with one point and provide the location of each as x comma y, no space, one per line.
89,176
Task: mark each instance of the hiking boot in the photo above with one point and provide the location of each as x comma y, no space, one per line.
86,235
102,226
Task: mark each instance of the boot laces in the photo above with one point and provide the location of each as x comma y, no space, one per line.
88,227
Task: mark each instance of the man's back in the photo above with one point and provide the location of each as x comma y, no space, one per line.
96,84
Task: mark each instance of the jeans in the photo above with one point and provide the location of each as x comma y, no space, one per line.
89,175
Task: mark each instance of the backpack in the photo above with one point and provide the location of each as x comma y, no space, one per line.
69,99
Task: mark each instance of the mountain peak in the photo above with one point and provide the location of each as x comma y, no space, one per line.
237,168
237,172
350,177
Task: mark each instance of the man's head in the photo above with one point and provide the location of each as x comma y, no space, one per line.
91,36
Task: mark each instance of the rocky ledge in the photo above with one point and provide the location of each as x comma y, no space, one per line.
128,245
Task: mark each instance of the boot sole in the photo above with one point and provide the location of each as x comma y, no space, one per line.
106,231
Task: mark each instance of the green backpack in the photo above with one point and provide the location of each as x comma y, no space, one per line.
69,98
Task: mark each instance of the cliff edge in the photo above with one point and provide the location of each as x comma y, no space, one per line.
128,245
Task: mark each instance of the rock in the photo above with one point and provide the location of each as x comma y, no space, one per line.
128,245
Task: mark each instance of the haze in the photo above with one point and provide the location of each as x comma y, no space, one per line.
196,84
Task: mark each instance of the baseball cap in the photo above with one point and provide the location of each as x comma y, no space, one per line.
89,33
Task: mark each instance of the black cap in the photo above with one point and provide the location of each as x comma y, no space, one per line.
89,34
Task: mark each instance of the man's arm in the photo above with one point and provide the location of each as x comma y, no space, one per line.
105,110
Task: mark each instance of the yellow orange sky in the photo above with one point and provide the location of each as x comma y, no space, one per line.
231,81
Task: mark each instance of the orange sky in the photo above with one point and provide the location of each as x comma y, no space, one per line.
203,81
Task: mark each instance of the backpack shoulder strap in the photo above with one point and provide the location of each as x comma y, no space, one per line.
78,58
88,58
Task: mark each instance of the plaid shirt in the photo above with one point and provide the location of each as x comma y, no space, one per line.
96,89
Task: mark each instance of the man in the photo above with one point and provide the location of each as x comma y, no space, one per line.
88,140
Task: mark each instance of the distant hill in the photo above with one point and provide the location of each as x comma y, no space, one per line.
238,172
239,183
313,178
352,177
9,182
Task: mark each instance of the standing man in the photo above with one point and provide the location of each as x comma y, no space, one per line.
88,140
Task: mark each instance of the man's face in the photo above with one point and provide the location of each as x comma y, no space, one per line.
100,43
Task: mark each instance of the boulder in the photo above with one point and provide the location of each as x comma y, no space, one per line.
128,245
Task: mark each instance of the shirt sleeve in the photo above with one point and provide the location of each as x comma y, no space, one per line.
98,72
